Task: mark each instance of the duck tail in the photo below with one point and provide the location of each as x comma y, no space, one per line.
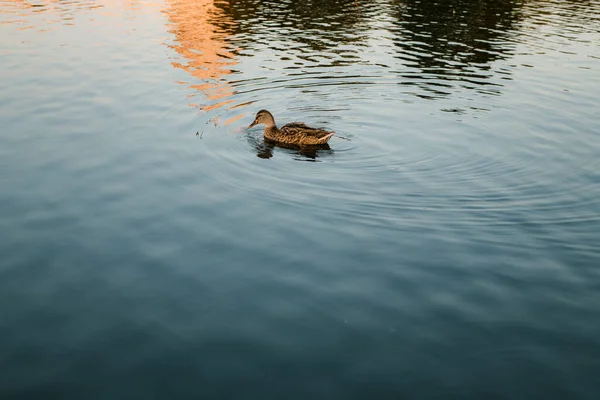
325,138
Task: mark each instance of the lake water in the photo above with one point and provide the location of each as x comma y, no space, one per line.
446,245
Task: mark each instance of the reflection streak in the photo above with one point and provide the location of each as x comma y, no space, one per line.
205,51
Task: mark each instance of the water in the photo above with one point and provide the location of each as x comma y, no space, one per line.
445,246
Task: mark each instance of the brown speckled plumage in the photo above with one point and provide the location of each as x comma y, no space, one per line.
295,133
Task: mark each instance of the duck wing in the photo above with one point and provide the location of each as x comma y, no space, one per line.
300,128
300,125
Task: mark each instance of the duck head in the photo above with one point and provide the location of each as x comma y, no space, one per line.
263,117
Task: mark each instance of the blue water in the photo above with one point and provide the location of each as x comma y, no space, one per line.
444,246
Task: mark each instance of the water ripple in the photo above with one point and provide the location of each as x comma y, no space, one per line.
456,210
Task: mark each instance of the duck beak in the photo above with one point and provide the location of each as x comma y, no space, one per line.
252,124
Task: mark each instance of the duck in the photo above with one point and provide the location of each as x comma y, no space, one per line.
294,133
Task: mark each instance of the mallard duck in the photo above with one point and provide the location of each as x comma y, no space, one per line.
295,133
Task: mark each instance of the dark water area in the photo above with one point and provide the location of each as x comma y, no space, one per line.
445,244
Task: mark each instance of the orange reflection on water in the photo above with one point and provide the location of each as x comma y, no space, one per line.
202,41
64,12
59,6
23,11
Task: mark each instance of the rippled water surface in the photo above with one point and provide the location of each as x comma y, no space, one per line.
446,245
